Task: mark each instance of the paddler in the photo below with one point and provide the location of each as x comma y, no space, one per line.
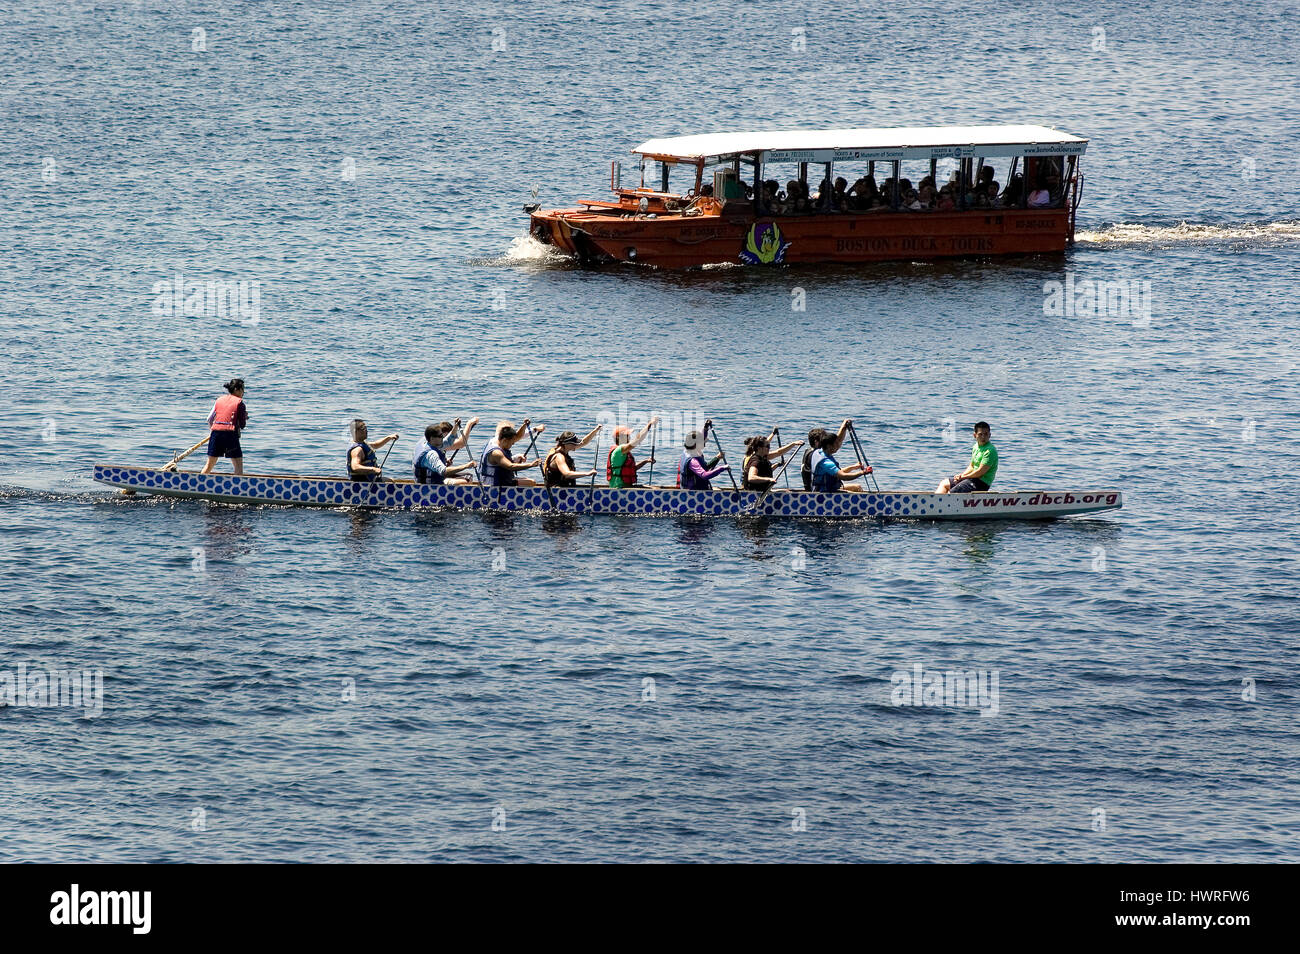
362,462
693,472
621,467
759,457
229,416
431,466
827,474
983,465
497,468
558,469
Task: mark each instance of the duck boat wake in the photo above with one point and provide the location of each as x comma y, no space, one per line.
281,490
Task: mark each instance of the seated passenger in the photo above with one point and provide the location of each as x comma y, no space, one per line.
827,474
839,195
1014,192
693,473
430,461
362,462
865,193
558,469
497,468
620,466
926,193
815,439
946,202
983,466
1040,198
991,195
759,457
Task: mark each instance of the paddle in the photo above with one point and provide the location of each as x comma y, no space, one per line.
708,426
396,438
654,436
550,495
452,458
177,458
591,496
532,443
776,432
868,470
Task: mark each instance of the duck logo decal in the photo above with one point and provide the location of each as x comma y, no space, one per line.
764,245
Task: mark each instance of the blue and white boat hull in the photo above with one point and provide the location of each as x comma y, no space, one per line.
406,495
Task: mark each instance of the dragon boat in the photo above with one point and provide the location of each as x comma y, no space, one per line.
282,490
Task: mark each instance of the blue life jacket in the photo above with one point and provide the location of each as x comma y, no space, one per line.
821,481
424,474
368,459
687,479
490,474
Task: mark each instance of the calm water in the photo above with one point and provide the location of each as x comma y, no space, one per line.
347,686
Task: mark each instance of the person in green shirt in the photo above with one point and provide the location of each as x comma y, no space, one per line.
983,466
621,467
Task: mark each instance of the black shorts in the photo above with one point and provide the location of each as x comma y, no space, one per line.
966,486
225,444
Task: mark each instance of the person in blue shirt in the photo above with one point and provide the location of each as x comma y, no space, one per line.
430,462
827,474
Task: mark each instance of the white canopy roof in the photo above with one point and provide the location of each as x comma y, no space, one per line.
833,145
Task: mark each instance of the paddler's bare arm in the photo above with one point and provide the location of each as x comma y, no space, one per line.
461,441
632,444
354,462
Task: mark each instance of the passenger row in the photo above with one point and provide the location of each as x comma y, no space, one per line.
866,196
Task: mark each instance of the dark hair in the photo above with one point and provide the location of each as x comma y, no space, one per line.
752,444
437,431
816,436
508,433
234,384
983,424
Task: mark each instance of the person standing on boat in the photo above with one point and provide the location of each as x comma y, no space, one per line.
693,473
983,466
497,468
362,462
620,466
558,469
759,457
430,462
229,416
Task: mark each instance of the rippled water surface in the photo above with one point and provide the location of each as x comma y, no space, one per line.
298,685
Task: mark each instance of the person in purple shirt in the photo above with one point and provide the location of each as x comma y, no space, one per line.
693,473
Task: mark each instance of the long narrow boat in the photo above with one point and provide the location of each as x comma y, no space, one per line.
728,219
407,495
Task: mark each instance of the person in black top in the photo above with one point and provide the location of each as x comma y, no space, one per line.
558,468
759,457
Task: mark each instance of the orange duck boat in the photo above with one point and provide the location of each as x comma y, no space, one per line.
744,213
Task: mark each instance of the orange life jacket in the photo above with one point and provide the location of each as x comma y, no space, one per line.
627,473
225,413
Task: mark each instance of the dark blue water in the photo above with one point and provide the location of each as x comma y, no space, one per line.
303,685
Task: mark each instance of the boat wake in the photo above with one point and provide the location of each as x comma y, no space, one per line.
527,251
1123,234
